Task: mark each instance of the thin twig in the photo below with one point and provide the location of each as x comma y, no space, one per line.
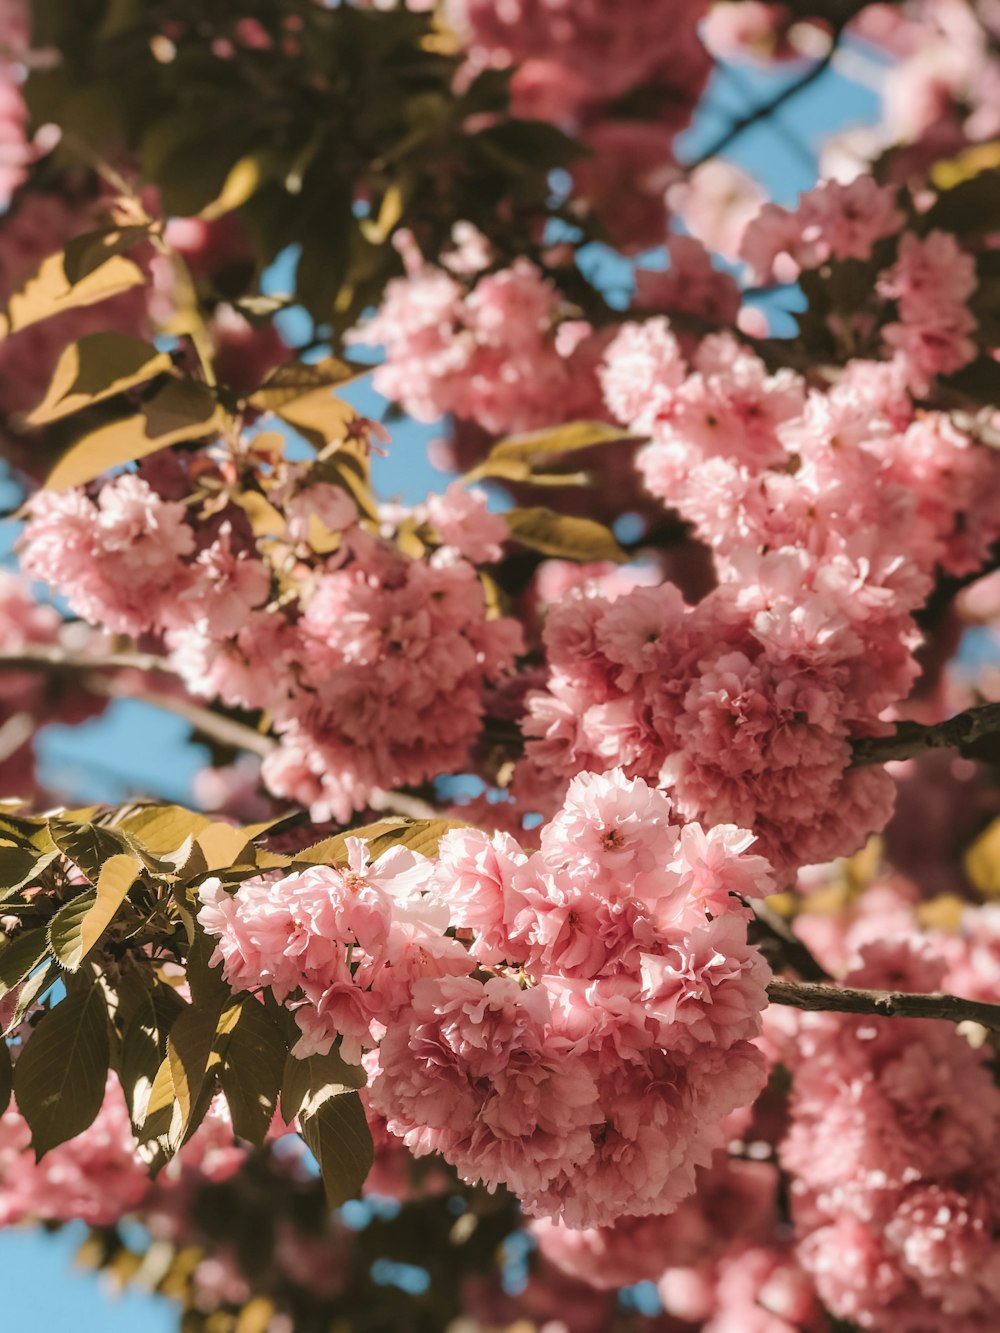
913,738
225,730
767,109
53,657
814,996
786,949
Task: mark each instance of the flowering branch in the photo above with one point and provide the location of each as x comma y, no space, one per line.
885,1004
913,738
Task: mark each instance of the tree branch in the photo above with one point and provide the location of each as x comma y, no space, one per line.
882,1003
913,738
767,109
53,659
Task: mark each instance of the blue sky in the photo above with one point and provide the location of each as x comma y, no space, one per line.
135,749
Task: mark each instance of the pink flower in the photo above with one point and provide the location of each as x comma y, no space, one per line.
464,522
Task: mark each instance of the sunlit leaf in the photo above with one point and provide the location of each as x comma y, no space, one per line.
49,292
563,536
181,410
77,927
99,366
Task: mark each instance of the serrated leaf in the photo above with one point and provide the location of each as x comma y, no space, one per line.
306,1084
31,989
48,292
60,1075
144,1046
338,1136
97,367
21,956
252,1071
19,866
182,410
182,1087
88,846
163,830
77,926
421,836
563,536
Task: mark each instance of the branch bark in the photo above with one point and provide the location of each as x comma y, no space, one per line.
913,738
883,1004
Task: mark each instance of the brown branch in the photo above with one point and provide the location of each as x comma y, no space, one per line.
883,1003
53,657
780,944
913,738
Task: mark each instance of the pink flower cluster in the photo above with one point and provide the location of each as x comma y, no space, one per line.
827,513
101,1175
931,283
499,349
589,1062
345,945
832,221
393,657
895,1194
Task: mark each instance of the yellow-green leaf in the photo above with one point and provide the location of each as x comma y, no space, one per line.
243,181
307,1084
85,254
21,956
49,292
163,829
514,457
251,1071
563,536
982,861
97,367
181,410
77,927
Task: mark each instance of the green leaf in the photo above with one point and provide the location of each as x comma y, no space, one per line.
182,410
294,380
307,1084
420,835
60,1075
338,1136
523,451
20,865
88,846
49,292
144,1046
95,368
76,927
85,254
21,956
6,1077
563,536
31,989
183,1085
252,1071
